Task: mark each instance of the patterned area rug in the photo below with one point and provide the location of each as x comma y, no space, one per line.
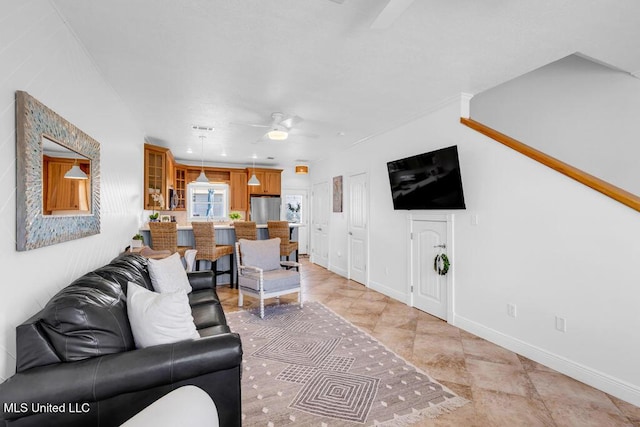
310,366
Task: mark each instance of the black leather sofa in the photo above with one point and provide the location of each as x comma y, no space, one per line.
77,364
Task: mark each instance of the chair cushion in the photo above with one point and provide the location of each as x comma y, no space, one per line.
274,280
264,254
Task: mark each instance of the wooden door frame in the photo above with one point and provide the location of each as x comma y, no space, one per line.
450,277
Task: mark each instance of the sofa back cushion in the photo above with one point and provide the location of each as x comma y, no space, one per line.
86,319
126,268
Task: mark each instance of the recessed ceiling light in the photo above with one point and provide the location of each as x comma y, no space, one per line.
189,151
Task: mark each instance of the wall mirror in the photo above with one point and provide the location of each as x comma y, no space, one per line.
57,177
66,180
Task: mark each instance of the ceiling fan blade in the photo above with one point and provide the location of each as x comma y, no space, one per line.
291,121
295,132
390,13
253,125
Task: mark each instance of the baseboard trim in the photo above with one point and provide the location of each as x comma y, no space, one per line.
340,271
390,292
614,386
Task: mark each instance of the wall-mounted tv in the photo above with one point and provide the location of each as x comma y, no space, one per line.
427,181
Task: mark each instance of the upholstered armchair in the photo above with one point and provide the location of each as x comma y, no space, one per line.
262,275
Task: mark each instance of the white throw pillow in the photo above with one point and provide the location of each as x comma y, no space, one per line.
159,318
168,274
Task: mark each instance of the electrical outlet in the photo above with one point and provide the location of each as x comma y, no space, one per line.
561,324
474,219
512,310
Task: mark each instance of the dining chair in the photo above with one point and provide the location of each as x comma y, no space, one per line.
262,274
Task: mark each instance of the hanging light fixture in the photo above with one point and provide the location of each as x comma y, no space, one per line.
202,178
75,172
277,134
302,169
253,181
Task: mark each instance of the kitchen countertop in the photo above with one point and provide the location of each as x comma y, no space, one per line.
220,226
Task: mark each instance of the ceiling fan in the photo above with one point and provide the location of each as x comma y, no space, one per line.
279,128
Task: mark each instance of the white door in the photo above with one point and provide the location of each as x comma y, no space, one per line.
430,289
358,242
295,209
320,225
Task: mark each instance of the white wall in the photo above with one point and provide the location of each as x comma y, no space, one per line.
39,55
592,124
543,242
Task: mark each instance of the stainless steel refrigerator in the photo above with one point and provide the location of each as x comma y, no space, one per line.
265,209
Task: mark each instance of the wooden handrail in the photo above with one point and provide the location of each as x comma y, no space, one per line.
581,176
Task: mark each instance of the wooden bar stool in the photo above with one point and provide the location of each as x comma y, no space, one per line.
164,237
205,238
281,229
245,230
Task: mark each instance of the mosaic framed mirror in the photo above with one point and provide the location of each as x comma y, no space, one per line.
57,177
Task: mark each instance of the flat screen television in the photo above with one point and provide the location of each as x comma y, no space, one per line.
427,181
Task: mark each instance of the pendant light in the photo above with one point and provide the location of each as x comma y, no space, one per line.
253,181
75,172
202,178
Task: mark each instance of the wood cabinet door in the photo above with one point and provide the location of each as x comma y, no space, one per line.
66,194
154,177
239,198
180,188
257,189
272,183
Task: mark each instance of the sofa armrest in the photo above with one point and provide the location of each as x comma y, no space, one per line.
201,280
106,376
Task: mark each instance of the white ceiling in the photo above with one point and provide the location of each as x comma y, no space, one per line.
219,62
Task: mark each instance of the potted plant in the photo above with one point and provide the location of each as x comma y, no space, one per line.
235,216
137,241
154,216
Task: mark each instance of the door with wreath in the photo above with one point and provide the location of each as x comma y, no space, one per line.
430,265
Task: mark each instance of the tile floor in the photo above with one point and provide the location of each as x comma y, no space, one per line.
505,389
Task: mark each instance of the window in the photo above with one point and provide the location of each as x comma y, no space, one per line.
208,201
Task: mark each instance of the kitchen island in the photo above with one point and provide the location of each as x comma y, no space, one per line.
225,235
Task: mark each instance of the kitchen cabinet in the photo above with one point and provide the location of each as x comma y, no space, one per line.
63,194
239,194
180,188
162,173
270,181
155,178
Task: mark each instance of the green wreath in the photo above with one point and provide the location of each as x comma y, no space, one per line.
441,264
